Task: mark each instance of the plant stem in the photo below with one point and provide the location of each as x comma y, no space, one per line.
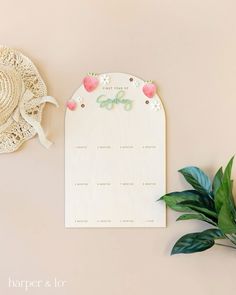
218,244
232,240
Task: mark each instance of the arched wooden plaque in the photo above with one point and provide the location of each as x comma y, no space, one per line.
115,153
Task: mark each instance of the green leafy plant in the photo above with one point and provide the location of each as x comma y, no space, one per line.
212,203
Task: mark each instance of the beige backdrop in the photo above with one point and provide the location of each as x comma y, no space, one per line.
188,47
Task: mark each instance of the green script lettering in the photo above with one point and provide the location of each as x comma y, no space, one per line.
109,103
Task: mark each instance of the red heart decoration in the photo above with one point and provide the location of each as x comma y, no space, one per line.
90,83
71,105
149,90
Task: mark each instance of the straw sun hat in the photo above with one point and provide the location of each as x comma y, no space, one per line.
23,95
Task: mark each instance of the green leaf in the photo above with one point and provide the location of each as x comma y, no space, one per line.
226,222
224,202
174,199
200,207
214,233
191,243
197,178
196,242
224,195
201,201
228,169
227,178
196,216
217,181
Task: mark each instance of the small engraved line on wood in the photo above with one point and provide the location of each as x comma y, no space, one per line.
126,147
149,146
127,183
84,147
103,147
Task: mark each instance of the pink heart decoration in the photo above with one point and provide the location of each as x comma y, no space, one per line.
149,90
71,105
90,83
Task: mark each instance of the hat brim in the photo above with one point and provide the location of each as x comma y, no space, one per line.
19,132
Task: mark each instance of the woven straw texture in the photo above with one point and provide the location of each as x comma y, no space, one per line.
17,74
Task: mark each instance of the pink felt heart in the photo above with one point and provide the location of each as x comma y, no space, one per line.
149,90
71,105
90,83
